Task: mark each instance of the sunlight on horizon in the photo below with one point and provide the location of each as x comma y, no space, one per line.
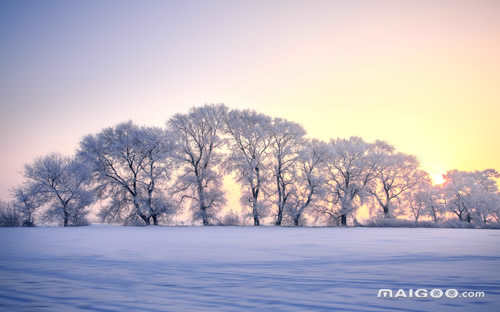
437,178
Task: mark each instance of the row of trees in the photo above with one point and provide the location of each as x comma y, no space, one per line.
143,175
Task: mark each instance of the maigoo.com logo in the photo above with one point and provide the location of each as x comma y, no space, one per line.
435,293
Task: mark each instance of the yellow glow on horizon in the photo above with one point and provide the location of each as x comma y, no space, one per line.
437,178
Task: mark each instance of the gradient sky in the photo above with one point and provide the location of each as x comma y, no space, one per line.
423,75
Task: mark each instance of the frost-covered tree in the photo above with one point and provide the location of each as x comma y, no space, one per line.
484,196
27,201
308,186
351,167
130,164
9,214
486,208
395,174
286,141
419,199
494,208
158,169
457,194
425,199
435,203
249,148
61,183
467,192
199,135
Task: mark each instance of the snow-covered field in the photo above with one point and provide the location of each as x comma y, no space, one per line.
115,268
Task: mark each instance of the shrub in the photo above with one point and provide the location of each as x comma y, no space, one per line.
231,219
457,224
495,226
392,222
9,216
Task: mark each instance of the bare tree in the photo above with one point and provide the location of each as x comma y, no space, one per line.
62,183
129,163
249,153
199,139
286,140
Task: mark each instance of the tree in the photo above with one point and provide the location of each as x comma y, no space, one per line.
494,203
286,140
129,165
308,186
159,146
420,199
9,215
27,202
435,206
199,137
395,174
430,197
466,193
351,167
62,183
249,155
487,208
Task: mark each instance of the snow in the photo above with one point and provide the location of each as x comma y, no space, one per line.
114,268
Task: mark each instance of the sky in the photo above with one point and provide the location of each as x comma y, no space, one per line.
422,75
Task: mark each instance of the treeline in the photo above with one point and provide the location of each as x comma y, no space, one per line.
146,175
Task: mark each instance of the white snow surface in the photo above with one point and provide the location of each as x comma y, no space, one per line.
115,268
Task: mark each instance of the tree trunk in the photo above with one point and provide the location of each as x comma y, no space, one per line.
256,220
139,213
152,215
280,216
386,211
343,219
204,215
203,208
346,208
296,220
145,219
30,219
255,195
280,199
460,217
66,218
434,215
